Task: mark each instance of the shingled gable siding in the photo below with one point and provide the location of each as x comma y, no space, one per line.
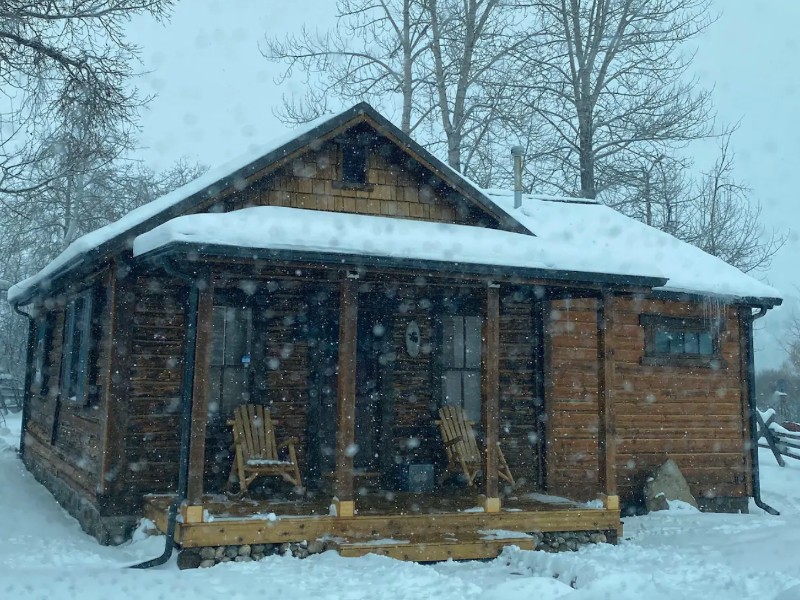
312,182
690,414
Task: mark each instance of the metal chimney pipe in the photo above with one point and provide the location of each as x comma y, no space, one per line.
517,152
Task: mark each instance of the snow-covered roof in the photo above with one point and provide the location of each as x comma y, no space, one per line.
345,234
77,250
606,234
571,234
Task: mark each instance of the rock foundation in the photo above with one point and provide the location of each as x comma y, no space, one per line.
570,541
190,558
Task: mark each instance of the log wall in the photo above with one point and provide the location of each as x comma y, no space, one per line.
690,414
571,399
62,432
413,391
152,438
287,363
520,404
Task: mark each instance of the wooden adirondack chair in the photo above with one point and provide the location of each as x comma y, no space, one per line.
462,447
256,450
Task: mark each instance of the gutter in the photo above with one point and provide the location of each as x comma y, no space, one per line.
342,260
26,392
751,401
187,397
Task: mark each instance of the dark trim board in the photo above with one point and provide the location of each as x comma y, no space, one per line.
177,250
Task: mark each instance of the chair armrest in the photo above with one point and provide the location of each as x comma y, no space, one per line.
286,443
453,442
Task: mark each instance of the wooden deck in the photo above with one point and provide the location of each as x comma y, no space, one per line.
404,526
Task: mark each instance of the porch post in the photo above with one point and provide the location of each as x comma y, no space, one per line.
200,384
346,399
606,435
491,394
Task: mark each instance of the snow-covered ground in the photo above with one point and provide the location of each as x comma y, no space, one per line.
675,554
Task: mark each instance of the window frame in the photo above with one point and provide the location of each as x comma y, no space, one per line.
72,351
349,148
41,369
221,362
652,323
460,360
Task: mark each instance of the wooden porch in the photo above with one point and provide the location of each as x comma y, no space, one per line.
443,523
406,526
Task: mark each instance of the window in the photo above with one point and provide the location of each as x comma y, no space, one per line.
354,164
461,364
231,342
41,367
681,341
77,341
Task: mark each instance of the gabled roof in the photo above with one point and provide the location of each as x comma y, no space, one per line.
606,241
117,236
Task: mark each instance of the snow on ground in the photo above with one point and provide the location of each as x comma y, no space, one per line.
675,554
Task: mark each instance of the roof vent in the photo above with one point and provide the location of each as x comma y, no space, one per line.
517,152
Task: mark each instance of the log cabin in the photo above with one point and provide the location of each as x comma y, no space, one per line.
350,282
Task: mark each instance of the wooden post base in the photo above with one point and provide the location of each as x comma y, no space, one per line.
192,514
491,505
344,508
610,502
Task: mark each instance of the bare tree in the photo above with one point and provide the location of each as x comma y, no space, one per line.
611,80
442,62
724,218
59,57
472,44
375,53
651,187
37,225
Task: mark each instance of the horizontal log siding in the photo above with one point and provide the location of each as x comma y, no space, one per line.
40,451
518,412
152,438
65,432
690,414
287,365
310,182
571,399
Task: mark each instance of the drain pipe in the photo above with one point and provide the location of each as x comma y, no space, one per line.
26,392
751,400
517,152
189,350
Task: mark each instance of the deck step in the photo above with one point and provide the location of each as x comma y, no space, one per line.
431,550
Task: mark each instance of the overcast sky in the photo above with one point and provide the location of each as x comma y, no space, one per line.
215,95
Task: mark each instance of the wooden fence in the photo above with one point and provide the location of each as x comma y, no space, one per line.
781,441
